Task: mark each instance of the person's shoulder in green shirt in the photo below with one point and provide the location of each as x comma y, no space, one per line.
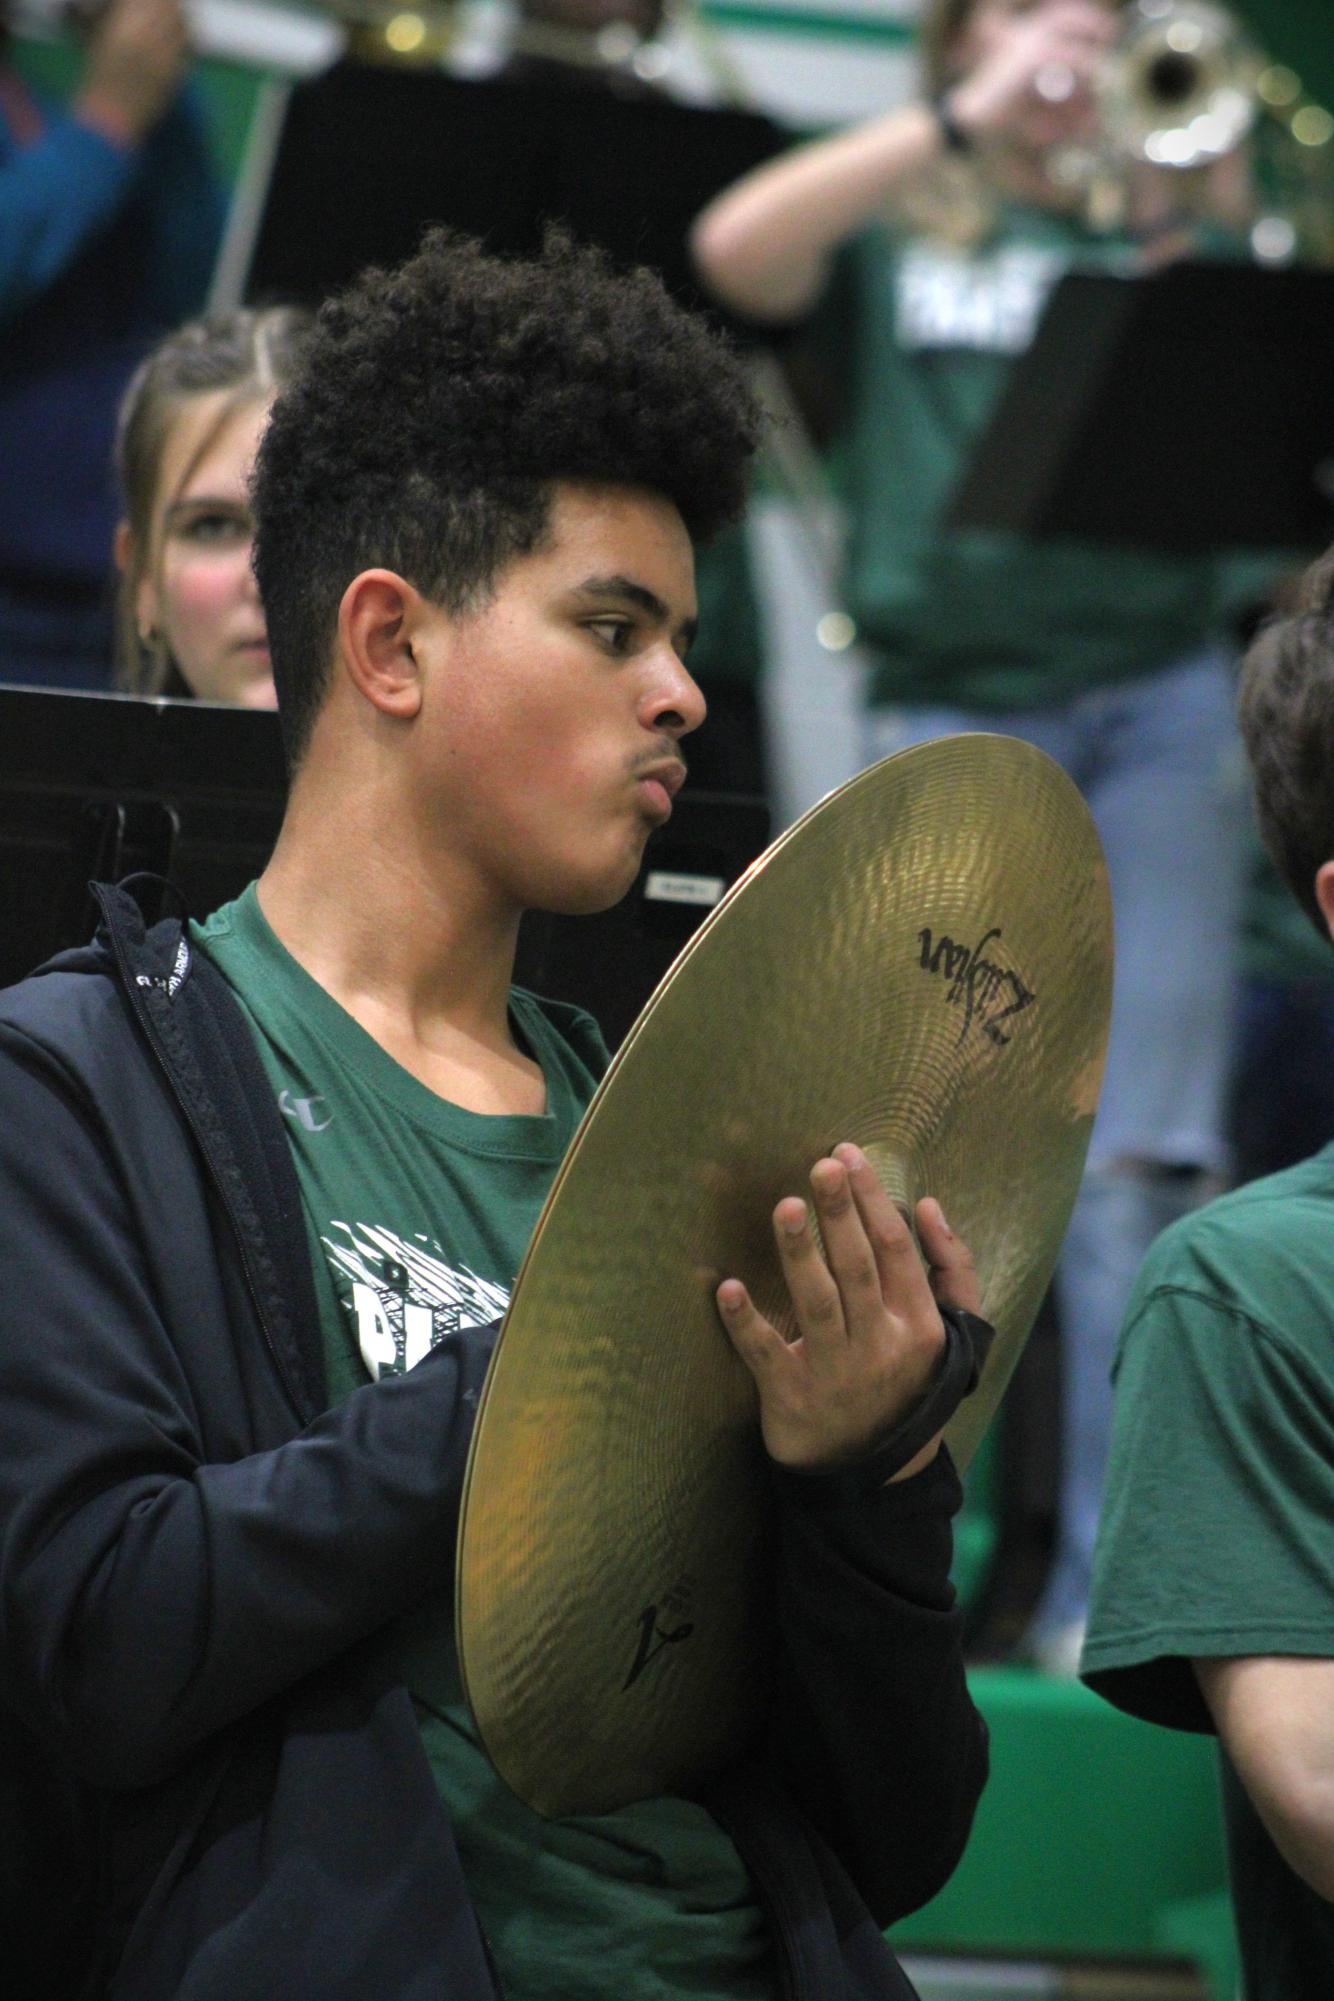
1215,1540
1220,1485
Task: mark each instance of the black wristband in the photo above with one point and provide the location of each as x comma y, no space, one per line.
967,1343
956,139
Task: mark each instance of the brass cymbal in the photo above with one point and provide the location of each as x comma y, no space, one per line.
921,965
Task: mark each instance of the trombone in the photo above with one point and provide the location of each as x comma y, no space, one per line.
1184,88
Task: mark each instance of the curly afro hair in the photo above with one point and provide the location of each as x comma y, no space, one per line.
438,404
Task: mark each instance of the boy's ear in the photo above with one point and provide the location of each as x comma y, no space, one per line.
1324,894
376,621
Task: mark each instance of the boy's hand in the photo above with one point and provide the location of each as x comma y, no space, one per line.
869,1333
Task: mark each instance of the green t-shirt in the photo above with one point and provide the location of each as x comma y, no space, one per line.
418,1214
1217,1534
983,620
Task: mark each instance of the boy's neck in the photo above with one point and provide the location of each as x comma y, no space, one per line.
408,948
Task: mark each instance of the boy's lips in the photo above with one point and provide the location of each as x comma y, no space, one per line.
659,784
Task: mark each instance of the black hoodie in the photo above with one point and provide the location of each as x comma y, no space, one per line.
212,1792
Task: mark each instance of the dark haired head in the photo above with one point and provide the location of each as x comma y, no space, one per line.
437,407
1286,712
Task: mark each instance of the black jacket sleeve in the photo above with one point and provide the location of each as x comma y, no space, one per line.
155,1585
872,1728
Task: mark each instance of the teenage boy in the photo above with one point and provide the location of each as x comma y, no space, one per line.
253,1169
1213,1600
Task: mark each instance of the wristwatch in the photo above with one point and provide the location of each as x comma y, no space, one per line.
956,139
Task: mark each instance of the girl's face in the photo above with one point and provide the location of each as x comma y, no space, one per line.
1069,38
197,591
986,24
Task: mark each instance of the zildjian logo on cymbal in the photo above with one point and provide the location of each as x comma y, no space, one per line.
976,984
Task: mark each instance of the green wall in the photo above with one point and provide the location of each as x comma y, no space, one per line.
1301,34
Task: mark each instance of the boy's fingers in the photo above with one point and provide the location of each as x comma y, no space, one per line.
750,1333
847,1243
815,1295
953,1272
891,1241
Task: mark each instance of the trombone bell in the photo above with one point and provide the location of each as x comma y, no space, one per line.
1181,87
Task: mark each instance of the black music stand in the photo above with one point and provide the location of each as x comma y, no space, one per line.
1185,412
369,155
95,787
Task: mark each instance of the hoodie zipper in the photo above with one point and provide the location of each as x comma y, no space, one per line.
146,1022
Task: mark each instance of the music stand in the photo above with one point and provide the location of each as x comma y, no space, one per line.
1185,412
368,155
94,787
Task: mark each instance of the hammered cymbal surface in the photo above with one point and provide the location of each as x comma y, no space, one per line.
922,965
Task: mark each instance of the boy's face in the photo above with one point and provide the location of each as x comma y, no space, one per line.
547,747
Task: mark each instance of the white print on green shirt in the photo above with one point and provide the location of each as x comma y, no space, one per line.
950,298
403,1300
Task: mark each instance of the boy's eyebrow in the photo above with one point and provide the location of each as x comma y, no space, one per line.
638,595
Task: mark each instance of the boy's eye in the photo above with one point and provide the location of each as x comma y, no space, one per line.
614,633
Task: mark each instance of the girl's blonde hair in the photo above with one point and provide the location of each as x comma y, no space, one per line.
245,355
